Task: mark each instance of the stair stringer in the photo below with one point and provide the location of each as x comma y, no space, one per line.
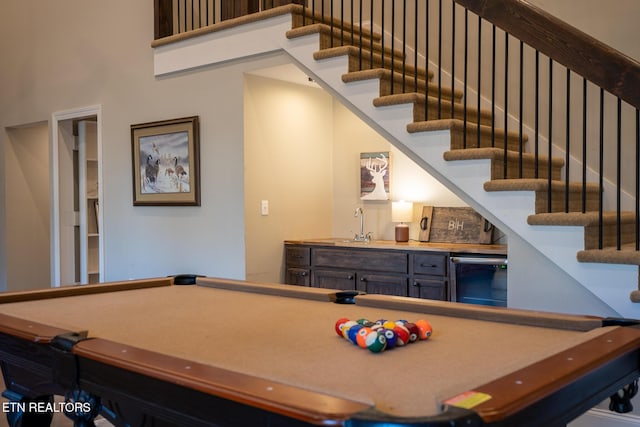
610,283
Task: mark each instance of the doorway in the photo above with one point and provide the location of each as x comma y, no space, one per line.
77,236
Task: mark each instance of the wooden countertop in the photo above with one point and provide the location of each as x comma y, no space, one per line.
412,245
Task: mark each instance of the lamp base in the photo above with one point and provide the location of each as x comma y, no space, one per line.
402,233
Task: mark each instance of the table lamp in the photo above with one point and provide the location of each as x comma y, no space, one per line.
402,212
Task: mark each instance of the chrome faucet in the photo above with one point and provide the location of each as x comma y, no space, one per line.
362,237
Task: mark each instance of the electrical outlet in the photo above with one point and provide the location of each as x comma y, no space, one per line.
264,207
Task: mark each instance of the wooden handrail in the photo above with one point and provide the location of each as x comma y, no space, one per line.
601,64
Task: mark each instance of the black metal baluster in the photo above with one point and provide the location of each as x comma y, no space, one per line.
439,59
479,78
584,145
415,46
637,179
361,30
550,142
619,178
382,15
393,43
453,52
536,120
493,86
506,102
465,78
568,143
601,171
371,65
404,46
521,114
426,57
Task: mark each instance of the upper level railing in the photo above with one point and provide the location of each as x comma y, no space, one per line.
561,91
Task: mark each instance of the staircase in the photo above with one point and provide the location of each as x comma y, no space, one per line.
522,191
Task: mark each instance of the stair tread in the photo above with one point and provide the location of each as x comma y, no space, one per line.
580,218
536,184
627,254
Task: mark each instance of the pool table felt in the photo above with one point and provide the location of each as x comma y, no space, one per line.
293,341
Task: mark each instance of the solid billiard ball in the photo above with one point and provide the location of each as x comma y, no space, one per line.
391,337
425,329
339,325
402,334
346,327
389,324
376,342
414,331
353,333
363,333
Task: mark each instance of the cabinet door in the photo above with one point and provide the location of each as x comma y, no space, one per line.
429,288
382,284
334,279
298,276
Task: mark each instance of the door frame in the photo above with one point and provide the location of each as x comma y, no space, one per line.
56,118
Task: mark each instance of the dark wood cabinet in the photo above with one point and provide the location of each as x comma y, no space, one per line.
401,272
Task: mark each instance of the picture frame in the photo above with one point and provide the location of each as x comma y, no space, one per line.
166,162
375,175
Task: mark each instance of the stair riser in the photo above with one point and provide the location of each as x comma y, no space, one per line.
513,170
357,64
458,140
558,202
444,112
409,87
609,235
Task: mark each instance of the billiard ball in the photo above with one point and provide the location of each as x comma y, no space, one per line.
339,325
376,342
389,324
414,331
425,329
346,327
391,337
362,335
353,333
402,334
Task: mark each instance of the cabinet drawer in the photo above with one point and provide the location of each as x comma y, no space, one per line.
297,256
386,261
434,264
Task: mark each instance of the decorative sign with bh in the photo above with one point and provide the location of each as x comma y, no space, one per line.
454,225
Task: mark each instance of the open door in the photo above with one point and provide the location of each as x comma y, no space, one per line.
77,246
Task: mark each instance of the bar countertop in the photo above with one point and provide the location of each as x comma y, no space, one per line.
413,245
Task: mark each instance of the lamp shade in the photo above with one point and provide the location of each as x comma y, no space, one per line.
402,211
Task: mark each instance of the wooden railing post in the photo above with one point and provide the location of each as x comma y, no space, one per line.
163,18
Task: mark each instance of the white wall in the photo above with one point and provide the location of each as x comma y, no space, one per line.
27,206
287,146
71,54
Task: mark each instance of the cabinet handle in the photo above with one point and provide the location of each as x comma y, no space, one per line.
428,265
416,284
350,277
303,274
363,279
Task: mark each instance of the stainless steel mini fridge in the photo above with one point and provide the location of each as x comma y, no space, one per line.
478,279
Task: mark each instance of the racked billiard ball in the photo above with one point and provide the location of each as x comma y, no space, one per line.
339,325
362,335
391,337
425,329
376,342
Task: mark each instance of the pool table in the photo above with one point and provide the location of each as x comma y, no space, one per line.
199,351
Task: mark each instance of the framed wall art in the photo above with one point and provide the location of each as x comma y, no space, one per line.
375,175
166,162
